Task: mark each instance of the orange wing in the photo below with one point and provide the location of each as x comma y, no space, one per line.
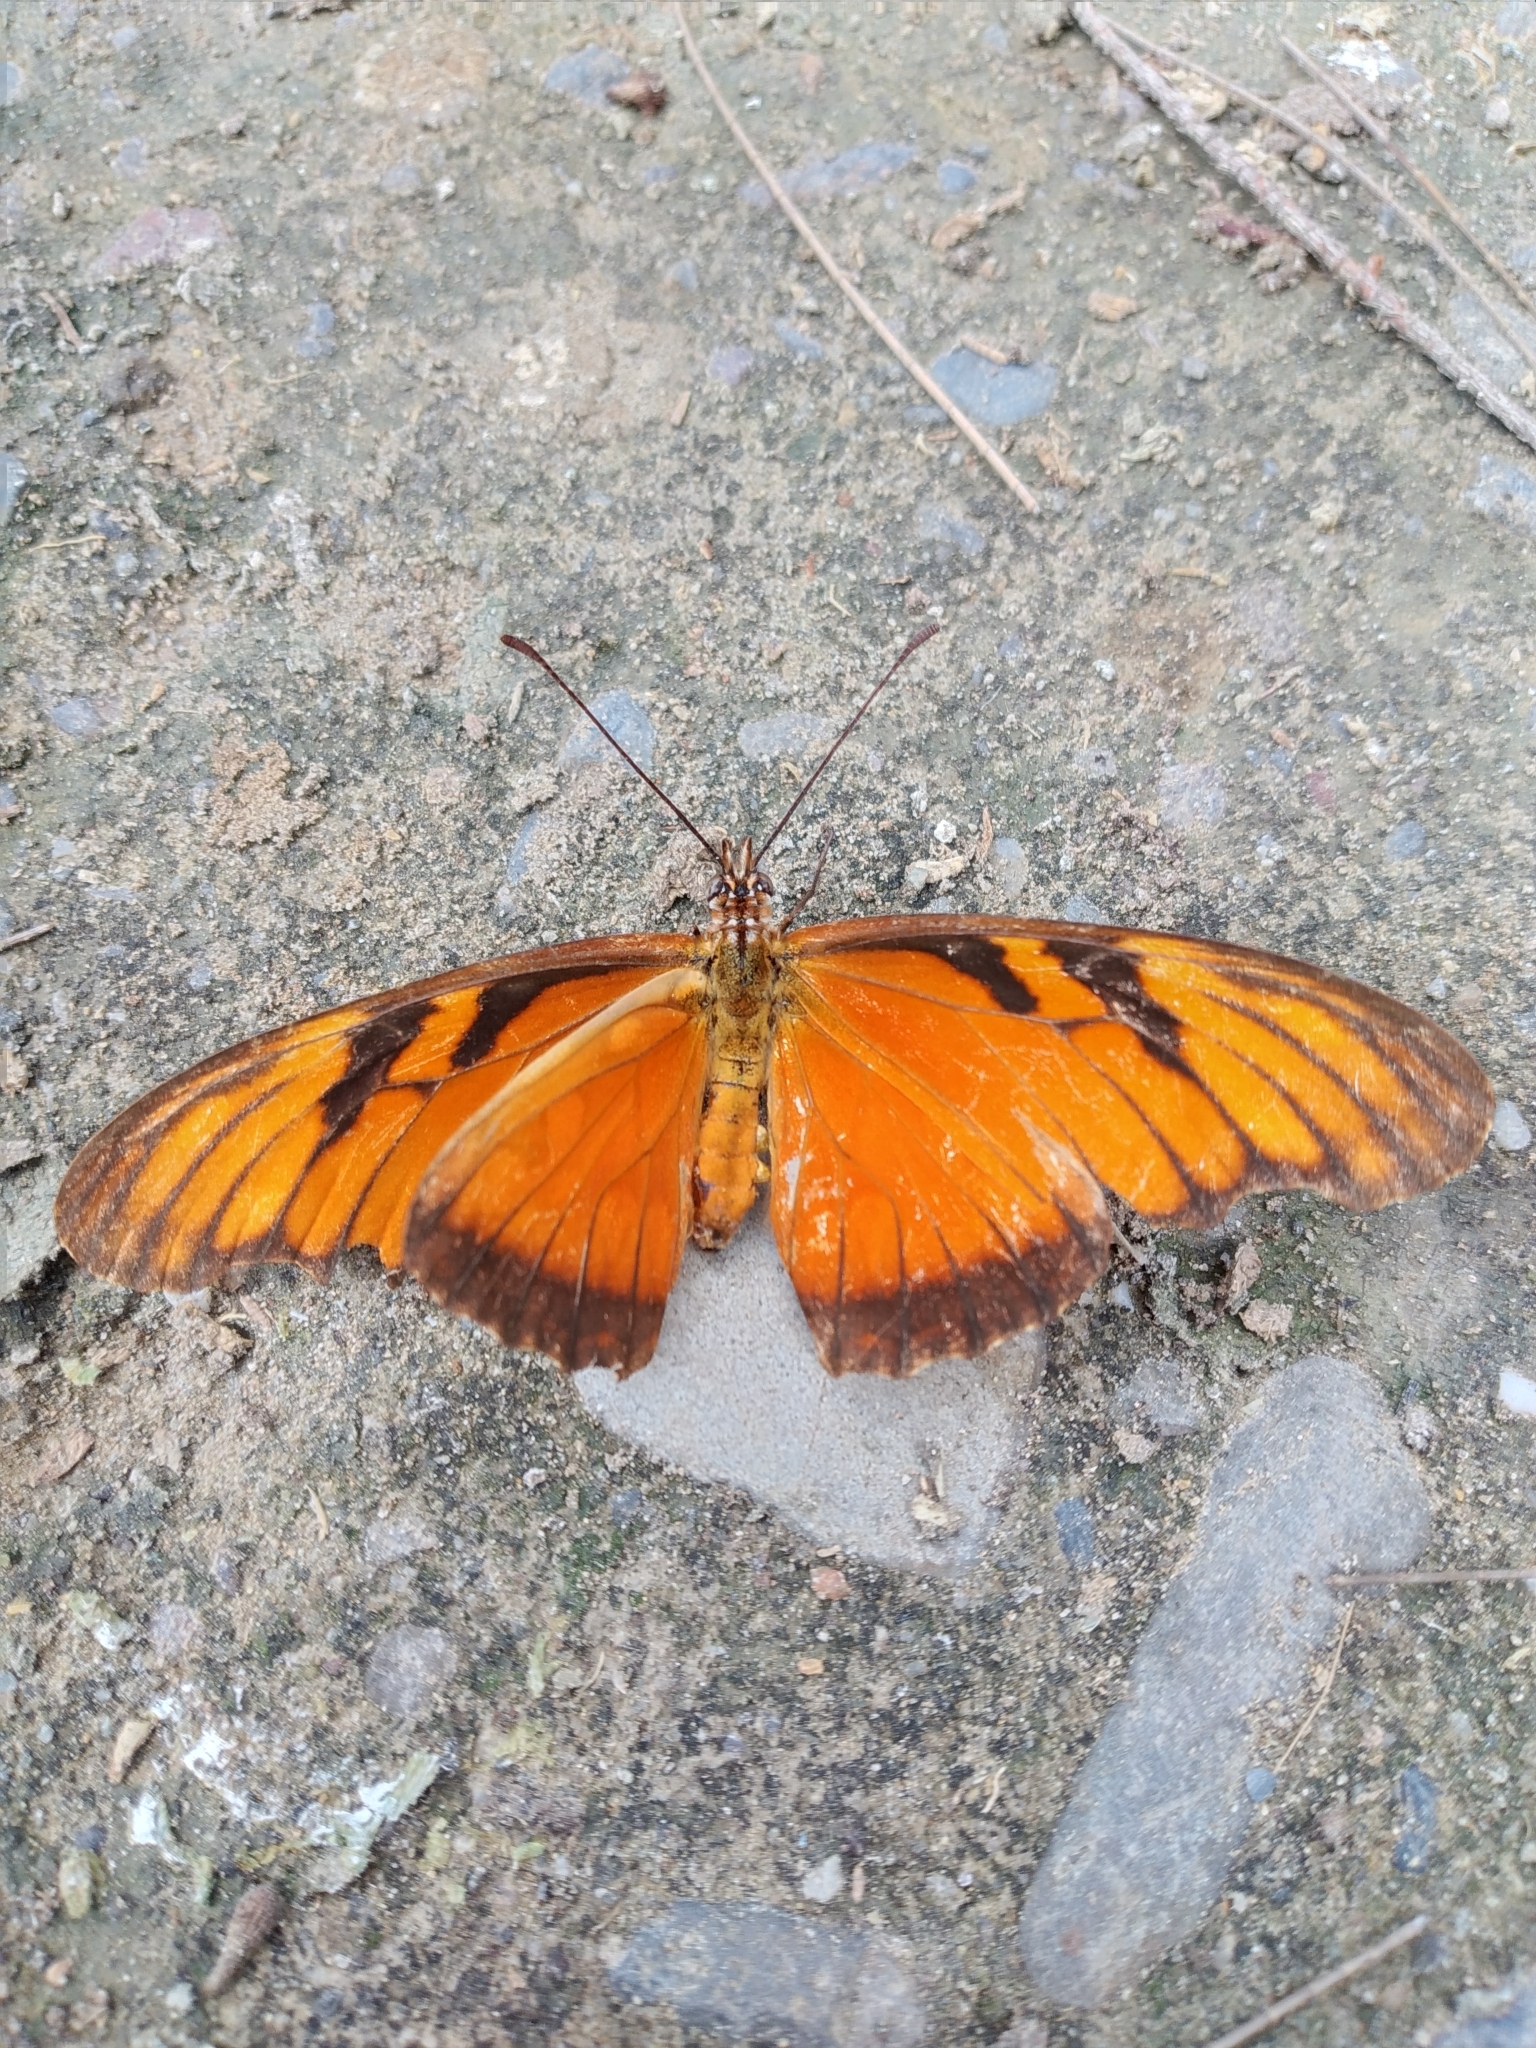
557,1215
948,1094
312,1138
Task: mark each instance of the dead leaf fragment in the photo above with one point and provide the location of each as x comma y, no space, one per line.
1269,1320
62,1456
1111,307
14,1075
645,91
827,1583
126,1744
810,1667
1241,1274
957,229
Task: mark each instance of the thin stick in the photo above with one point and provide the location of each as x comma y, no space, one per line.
1327,1687
844,283
1384,139
1501,1578
533,654
35,931
1324,246
61,313
1330,1980
79,540
1362,177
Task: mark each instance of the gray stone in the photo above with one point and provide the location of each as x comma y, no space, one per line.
27,1241
1510,1132
1195,368
950,531
787,735
1081,909
1314,1480
1074,1532
1501,2016
1486,343
955,178
995,394
854,170
78,717
407,1667
1159,1397
625,719
736,1394
751,1973
803,346
1405,841
1505,491
586,75
731,366
1419,1797
396,1537
1191,796
13,481
1010,864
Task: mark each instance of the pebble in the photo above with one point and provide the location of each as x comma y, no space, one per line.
1510,1131
160,238
994,394
586,75
684,273
731,366
855,170
1405,841
1074,1532
955,178
1010,864
401,181
1420,1800
1259,1784
407,1667
626,1507
787,735
626,719
1517,1393
1496,114
736,1395
1159,1397
318,339
1191,796
13,481
1314,1473
748,1973
805,346
395,1537
947,530
173,1629
1195,368
1505,491
823,1881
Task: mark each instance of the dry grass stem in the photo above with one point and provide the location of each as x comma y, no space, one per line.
1384,139
1318,1987
1365,179
1512,1576
1323,1690
1319,242
844,283
33,931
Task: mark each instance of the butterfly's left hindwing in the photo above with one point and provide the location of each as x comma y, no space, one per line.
942,1087
314,1137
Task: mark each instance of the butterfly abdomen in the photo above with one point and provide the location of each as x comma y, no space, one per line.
728,1167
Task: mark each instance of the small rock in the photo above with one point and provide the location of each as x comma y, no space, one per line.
173,1629
252,1923
626,1507
126,1744
748,1973
1160,1809
1074,1532
319,337
935,524
1516,1392
1111,307
1081,909
823,1881
827,1583
1159,1397
854,170
13,481
731,366
586,75
787,735
408,1667
161,238
1510,1131
1268,1320
1505,491
1418,1427
1134,1448
1327,515
401,181
398,1536
1405,841
626,719
955,178
1010,864
1420,1799
1191,796
1500,2016
1195,368
803,346
995,394
1259,1784
77,1883
1496,114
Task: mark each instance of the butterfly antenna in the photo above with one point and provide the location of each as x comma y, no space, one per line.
917,640
533,654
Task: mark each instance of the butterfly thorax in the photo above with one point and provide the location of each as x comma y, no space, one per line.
729,1166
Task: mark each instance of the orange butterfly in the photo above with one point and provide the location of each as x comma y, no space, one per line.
937,1104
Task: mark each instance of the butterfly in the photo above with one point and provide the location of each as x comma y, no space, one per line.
937,1104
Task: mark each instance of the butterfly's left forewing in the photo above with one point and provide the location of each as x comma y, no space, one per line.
314,1137
1013,1060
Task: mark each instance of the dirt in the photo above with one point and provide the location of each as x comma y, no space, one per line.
401,364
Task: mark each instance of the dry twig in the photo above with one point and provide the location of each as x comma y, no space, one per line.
1351,1580
1384,139
1318,241
1416,224
1318,1987
844,283
66,326
1323,1691
33,931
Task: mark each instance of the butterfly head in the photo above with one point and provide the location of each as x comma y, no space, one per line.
741,900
